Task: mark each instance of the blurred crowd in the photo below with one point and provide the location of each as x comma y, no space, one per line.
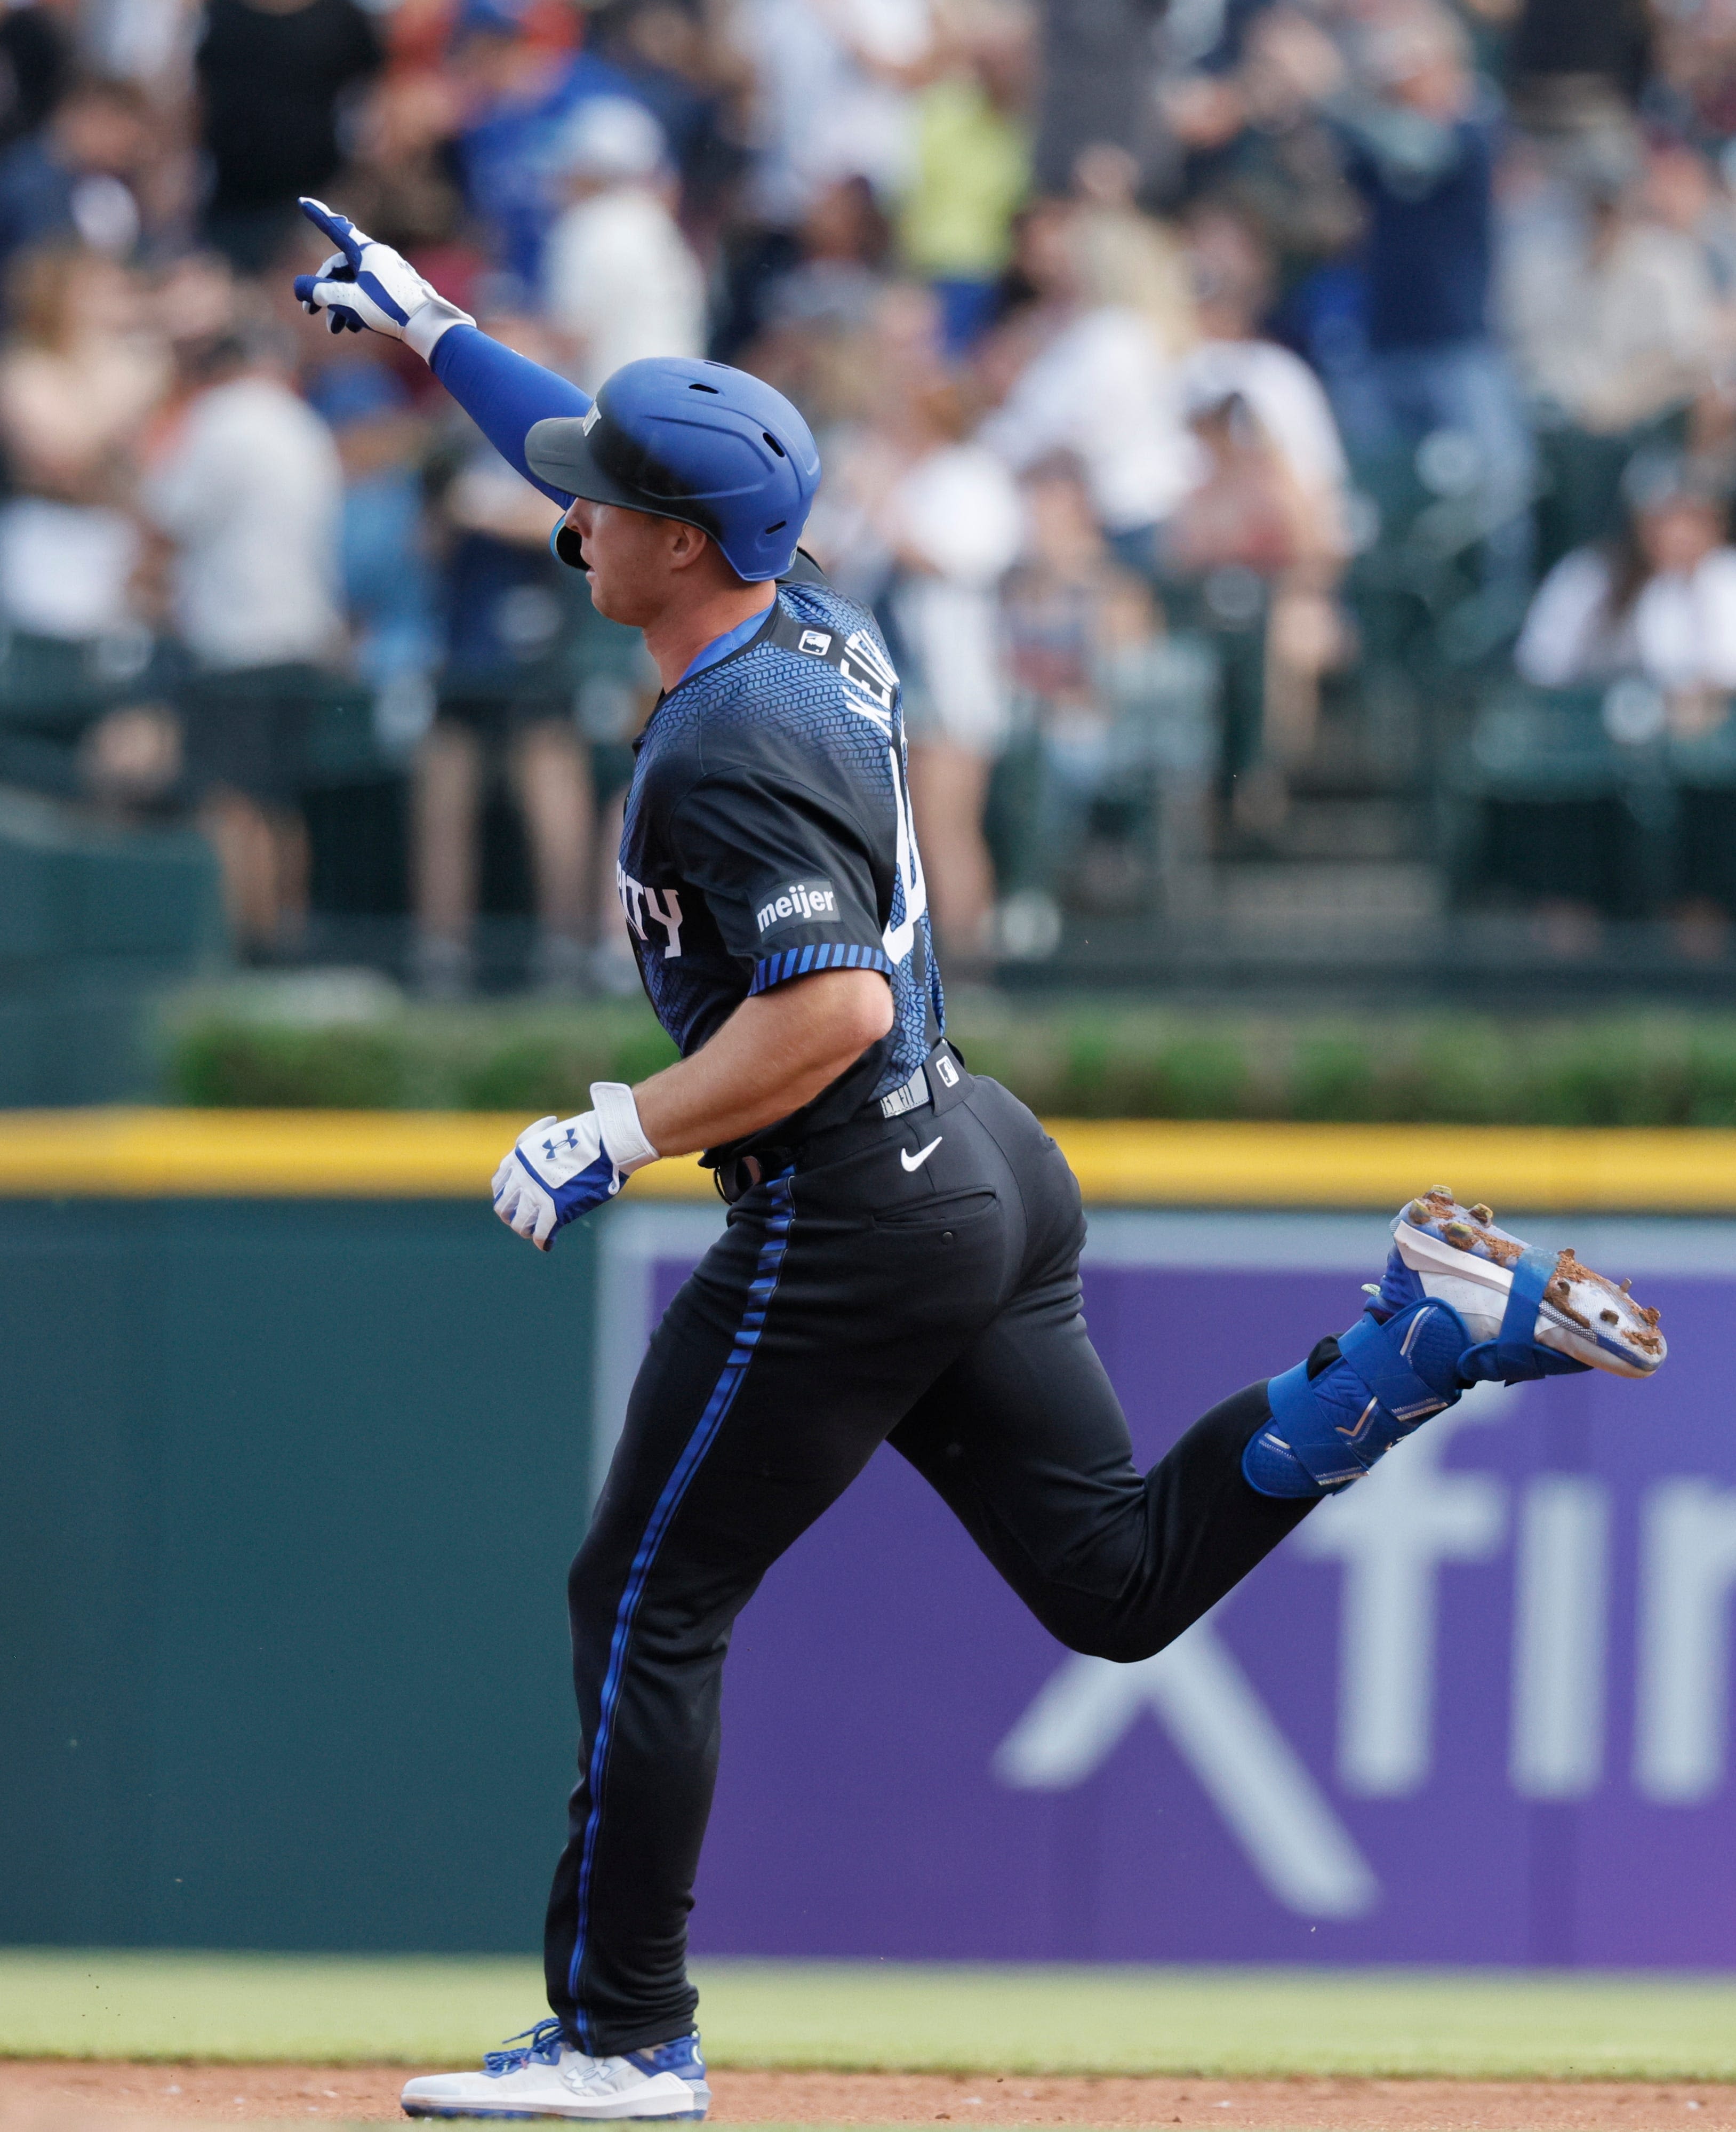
1187,379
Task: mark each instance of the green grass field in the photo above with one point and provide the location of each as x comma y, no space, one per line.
1203,2023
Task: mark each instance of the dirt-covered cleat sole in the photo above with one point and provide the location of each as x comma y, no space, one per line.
1461,1258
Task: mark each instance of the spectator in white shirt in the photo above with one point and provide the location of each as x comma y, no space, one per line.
1659,603
80,374
1089,379
619,280
246,491
1233,287
79,377
1287,409
833,81
921,523
1614,316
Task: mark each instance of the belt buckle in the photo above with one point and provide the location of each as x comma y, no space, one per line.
744,1174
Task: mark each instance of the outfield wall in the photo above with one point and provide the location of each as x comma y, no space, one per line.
287,1494
287,1486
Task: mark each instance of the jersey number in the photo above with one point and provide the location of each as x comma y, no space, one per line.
899,939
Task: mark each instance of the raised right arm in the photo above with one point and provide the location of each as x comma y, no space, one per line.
504,394
367,287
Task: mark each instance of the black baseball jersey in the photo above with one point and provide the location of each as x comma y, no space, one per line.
767,834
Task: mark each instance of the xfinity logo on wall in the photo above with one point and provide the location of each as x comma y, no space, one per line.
1477,1708
803,900
1392,1536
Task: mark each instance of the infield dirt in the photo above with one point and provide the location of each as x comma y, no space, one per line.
69,2095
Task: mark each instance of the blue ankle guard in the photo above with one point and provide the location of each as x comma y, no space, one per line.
1328,1431
1391,1373
681,2056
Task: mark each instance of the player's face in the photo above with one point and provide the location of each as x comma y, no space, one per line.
633,559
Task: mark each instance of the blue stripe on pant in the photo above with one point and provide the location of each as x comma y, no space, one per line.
760,1294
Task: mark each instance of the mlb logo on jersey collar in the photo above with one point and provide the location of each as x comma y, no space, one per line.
863,666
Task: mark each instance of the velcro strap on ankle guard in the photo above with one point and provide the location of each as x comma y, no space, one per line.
1295,1411
1398,1400
1515,1347
1376,1355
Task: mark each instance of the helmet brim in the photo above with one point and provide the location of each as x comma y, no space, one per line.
561,451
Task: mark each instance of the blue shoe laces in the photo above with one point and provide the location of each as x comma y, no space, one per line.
541,2045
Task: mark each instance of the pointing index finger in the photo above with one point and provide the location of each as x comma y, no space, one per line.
339,228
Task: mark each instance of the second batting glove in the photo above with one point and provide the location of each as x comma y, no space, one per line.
558,1169
368,286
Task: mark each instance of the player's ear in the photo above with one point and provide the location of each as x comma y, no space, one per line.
687,544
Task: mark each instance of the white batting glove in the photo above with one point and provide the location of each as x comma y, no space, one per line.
557,1170
367,287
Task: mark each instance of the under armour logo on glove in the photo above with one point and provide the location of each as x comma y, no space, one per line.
549,1179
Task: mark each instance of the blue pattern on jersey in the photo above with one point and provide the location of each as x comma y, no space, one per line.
771,700
798,961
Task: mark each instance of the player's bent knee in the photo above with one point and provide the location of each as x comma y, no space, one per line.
1123,1648
1101,1636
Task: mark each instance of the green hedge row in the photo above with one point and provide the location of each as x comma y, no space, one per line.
1066,1060
470,1059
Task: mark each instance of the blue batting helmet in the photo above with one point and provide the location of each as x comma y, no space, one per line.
697,441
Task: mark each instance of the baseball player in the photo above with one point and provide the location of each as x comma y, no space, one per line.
901,1261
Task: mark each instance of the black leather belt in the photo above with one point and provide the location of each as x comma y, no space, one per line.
935,1084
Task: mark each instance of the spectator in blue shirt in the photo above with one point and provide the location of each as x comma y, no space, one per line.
511,153
1422,152
77,177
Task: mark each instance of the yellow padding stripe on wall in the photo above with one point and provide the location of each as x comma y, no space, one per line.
376,1154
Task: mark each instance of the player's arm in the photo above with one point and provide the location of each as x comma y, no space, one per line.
367,287
777,1052
774,1054
773,844
787,876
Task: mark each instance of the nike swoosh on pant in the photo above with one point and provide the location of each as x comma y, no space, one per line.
916,1161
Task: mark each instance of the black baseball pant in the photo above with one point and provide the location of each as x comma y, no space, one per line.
915,1281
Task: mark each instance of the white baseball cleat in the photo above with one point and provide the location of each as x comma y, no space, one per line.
541,2075
1461,1303
1460,1257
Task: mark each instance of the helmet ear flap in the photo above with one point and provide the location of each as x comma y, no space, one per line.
566,547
